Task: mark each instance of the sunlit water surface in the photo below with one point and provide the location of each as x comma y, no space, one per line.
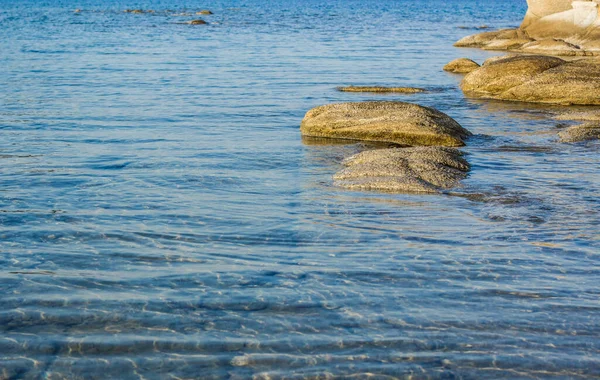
161,216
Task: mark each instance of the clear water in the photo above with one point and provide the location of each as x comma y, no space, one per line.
161,216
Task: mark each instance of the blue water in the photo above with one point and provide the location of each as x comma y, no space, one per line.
161,216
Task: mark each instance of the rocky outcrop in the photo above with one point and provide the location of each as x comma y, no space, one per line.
377,89
538,79
556,27
461,66
537,9
582,132
404,170
392,122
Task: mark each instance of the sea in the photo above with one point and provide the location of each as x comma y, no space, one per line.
161,217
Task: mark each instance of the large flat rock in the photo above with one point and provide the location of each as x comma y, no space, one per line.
404,170
392,122
537,79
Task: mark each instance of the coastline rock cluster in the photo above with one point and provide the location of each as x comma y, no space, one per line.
555,27
426,160
429,165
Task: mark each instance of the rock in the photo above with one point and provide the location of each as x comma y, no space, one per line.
576,82
552,46
498,58
402,90
579,22
197,22
503,74
204,12
393,122
480,27
540,8
556,27
581,116
507,44
405,170
500,38
537,79
582,132
77,10
135,11
461,66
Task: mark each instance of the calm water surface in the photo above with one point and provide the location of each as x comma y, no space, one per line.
161,216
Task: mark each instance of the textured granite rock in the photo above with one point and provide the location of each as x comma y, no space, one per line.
537,79
555,27
393,122
461,66
378,89
593,115
582,132
405,170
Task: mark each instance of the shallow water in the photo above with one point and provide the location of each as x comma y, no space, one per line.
160,215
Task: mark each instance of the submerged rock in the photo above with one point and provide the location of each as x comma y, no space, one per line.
461,66
204,12
405,170
403,90
580,115
582,132
197,22
537,79
394,122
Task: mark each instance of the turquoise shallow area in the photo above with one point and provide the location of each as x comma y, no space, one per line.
161,216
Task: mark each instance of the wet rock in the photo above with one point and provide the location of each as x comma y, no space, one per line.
404,170
393,122
581,116
538,79
461,66
197,22
77,10
135,11
377,89
204,12
582,132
